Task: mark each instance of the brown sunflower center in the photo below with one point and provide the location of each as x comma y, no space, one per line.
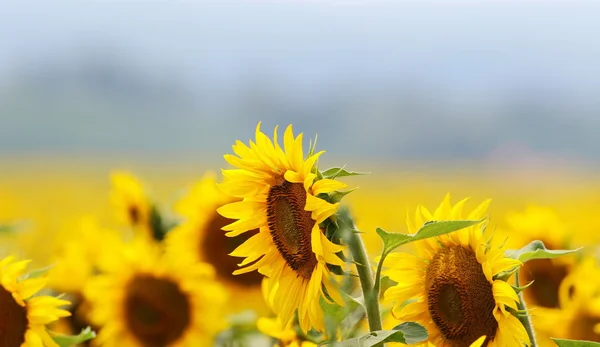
291,226
134,214
460,298
547,276
157,312
582,328
13,320
215,247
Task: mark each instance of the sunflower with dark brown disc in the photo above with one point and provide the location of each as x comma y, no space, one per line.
578,316
24,313
199,238
279,192
144,299
452,287
545,275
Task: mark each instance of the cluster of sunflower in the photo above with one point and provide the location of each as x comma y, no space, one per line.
267,256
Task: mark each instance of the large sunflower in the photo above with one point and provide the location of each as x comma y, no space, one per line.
280,198
199,238
540,223
145,299
23,314
452,288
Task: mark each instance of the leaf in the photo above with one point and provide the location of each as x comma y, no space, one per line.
5,228
336,172
335,313
575,343
408,333
537,250
39,272
519,289
73,340
392,241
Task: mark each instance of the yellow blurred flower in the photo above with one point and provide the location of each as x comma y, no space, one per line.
450,287
578,314
24,315
286,336
132,203
80,254
279,195
199,238
146,299
541,223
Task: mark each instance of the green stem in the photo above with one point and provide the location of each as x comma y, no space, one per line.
525,318
359,255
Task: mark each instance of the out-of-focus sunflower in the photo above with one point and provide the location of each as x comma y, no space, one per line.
200,239
79,257
280,198
285,336
133,205
540,223
451,287
145,299
578,315
24,315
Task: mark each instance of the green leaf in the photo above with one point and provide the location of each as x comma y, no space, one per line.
72,340
336,172
336,196
13,226
39,272
519,289
537,250
575,343
408,333
392,241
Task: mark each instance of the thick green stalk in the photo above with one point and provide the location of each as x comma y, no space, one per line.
525,318
359,255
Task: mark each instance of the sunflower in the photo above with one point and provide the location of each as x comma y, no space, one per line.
540,223
76,261
24,316
78,256
145,299
280,197
578,315
285,336
451,286
132,204
199,238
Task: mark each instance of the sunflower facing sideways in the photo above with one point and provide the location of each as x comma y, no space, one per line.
145,299
23,314
132,204
279,194
451,286
199,238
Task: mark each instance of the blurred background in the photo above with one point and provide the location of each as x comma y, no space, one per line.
484,99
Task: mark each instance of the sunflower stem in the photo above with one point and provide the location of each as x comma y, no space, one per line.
359,254
525,319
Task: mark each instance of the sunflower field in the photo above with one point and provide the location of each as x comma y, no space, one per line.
275,249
